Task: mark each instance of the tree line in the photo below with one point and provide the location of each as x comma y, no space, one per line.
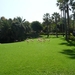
65,6
18,29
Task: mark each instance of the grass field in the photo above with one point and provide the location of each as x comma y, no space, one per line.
54,57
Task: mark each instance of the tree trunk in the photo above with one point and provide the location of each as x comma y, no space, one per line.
74,21
61,13
56,29
73,24
63,23
68,22
65,26
47,31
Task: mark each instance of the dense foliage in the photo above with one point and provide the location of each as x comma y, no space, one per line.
36,26
19,29
12,30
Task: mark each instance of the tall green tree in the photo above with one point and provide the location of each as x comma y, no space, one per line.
73,11
47,21
5,30
56,17
65,6
61,7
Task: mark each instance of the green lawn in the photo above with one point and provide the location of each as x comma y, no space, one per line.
54,57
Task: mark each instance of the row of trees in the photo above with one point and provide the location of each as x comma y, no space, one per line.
64,6
17,29
64,22
52,23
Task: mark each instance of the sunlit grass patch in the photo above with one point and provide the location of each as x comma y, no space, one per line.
46,57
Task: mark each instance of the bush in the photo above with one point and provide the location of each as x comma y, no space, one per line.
72,37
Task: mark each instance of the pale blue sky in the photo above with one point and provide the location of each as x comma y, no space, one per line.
30,10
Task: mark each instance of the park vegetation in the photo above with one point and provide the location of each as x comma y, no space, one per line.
18,29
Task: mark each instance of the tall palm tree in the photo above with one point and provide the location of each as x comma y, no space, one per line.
73,11
56,17
61,4
66,4
47,21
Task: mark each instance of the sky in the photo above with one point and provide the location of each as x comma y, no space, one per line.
31,10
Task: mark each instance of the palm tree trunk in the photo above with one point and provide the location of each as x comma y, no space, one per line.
56,29
47,31
74,21
63,22
61,13
74,24
68,21
65,25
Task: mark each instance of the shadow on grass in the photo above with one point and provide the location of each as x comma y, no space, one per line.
69,52
68,43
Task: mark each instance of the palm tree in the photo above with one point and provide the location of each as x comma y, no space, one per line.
61,5
66,4
73,11
5,30
47,21
18,28
56,17
62,13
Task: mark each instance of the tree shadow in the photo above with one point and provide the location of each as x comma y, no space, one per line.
68,43
69,52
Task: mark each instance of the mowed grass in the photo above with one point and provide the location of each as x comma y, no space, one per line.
54,57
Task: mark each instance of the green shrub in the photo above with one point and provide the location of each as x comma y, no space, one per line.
72,37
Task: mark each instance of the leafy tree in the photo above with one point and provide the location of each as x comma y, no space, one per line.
73,15
36,26
12,30
5,28
27,27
